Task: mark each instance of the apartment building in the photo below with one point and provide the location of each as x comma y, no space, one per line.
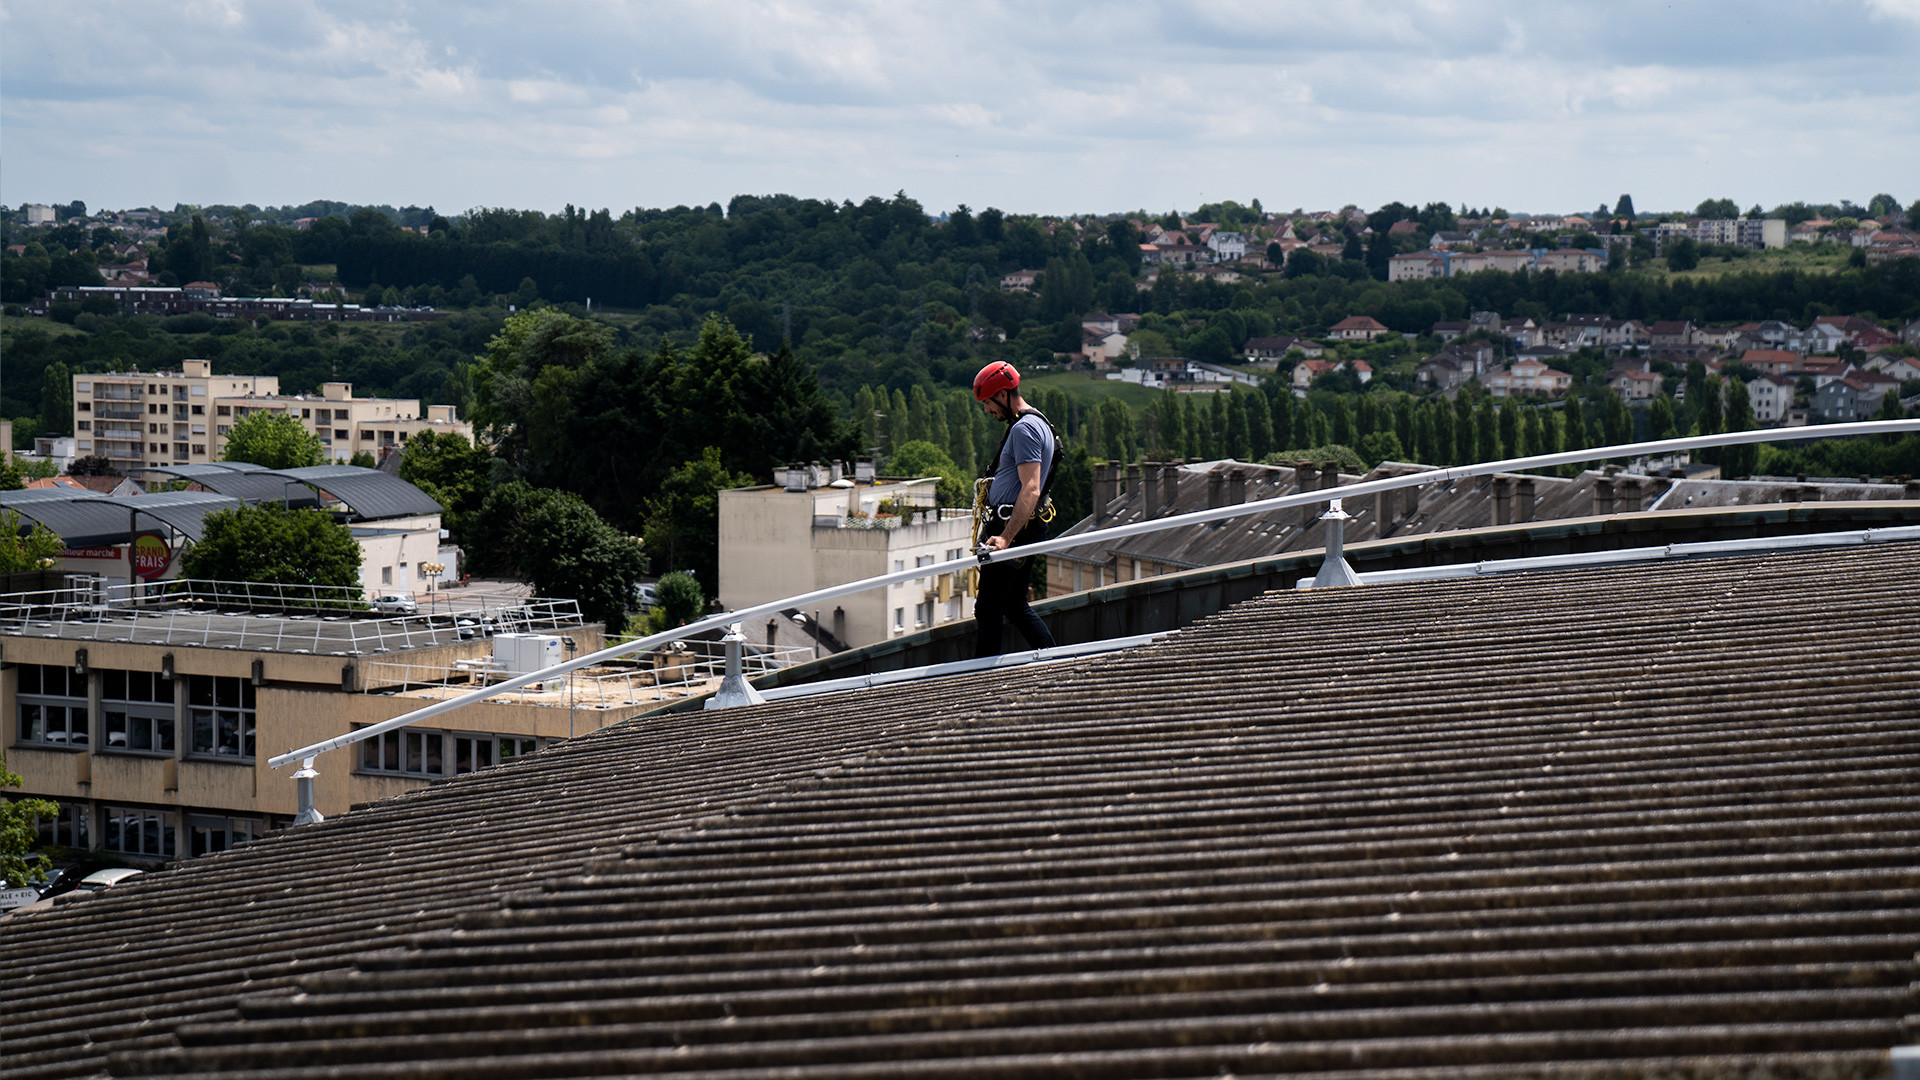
819,528
149,715
146,419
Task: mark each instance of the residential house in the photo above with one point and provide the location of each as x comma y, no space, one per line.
1772,398
1898,367
1528,376
1850,326
1362,371
1175,254
1227,246
1417,266
1306,371
1469,262
1448,240
1824,369
1636,385
1272,349
1851,397
1910,333
1099,322
1822,338
1019,281
1670,332
1772,361
1771,334
1525,334
1874,339
1102,347
1456,364
1447,331
1890,244
1717,338
1357,328
39,214
1571,260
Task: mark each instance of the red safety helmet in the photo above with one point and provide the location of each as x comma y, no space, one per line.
994,378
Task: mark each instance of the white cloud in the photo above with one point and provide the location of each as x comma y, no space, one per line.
1038,106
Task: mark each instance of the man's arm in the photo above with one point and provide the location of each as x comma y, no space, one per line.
1023,507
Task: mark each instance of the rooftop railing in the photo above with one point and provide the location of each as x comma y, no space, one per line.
1333,572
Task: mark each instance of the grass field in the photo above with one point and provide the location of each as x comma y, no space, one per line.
1825,259
1093,390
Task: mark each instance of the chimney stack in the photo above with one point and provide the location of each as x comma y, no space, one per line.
1306,478
1216,488
1524,490
1502,500
1150,496
1236,487
1628,492
1133,479
1105,480
1410,506
1603,497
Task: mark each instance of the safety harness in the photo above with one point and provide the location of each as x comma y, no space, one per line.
1044,513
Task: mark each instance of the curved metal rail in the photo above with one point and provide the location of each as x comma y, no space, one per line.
306,754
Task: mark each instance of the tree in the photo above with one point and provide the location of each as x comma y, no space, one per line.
1682,253
568,551
1738,461
274,440
364,460
918,458
24,551
451,470
1660,418
1717,208
270,544
683,520
680,601
56,399
92,465
17,832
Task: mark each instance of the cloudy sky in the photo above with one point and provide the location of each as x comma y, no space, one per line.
1035,106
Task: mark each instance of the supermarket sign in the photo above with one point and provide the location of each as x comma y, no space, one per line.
151,555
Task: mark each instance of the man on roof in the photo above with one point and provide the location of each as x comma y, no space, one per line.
1014,511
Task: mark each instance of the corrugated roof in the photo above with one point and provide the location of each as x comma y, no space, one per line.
372,495
1549,825
246,481
85,519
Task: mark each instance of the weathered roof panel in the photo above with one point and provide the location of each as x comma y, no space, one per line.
1519,826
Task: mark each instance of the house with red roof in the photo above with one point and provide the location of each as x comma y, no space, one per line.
1357,328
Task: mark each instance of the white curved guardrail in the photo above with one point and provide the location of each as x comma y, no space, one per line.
306,754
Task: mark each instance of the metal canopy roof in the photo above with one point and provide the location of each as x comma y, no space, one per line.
250,484
86,519
369,494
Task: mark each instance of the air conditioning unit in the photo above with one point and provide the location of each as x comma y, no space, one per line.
518,654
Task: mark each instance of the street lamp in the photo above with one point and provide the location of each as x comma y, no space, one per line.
434,570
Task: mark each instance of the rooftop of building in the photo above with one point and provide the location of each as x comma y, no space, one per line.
1571,824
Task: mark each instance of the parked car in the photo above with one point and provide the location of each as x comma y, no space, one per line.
396,604
645,598
101,879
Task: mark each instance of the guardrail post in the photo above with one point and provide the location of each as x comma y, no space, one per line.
1334,571
734,690
303,778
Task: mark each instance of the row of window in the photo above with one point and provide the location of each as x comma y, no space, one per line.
144,833
411,752
136,711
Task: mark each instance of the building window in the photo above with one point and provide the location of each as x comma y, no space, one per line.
70,828
84,425
136,712
366,434
222,410
341,435
139,832
51,706
899,618
306,414
84,406
405,753
200,449
386,575
221,710
923,614
206,835
472,753
83,388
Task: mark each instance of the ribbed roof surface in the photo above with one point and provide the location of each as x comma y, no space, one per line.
371,494
1592,823
88,519
243,480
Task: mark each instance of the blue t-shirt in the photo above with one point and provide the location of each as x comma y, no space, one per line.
1031,440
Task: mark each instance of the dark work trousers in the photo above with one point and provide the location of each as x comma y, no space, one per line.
1003,596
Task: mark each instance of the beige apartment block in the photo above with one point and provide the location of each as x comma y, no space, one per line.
139,419
822,529
151,726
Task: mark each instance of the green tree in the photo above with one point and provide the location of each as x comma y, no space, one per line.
680,601
21,551
1738,461
56,400
274,440
683,519
269,544
567,550
918,459
1660,418
452,470
364,460
1624,207
1682,253
17,865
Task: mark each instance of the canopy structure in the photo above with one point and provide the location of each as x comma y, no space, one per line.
365,494
91,519
88,519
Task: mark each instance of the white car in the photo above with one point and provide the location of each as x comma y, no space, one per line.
396,604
